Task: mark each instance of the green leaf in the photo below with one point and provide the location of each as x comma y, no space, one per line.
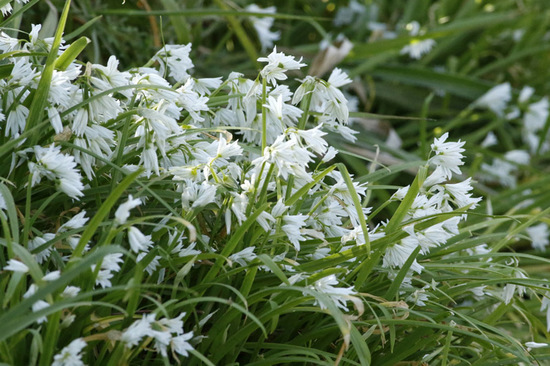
36,109
102,212
71,53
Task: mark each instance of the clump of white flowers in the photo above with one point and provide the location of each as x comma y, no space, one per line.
531,114
222,187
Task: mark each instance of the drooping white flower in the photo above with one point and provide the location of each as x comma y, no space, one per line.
7,43
396,255
123,211
70,291
181,345
152,265
198,195
52,276
531,345
459,191
59,167
139,329
138,241
161,331
16,266
204,86
174,59
418,297
70,355
496,98
17,119
510,288
339,295
540,236
76,222
489,140
55,119
418,48
109,264
347,14
38,241
503,171
244,256
38,305
191,101
536,115
292,225
263,25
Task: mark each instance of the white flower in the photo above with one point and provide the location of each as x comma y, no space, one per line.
55,119
531,345
199,194
17,119
489,140
52,276
190,250
161,331
277,64
291,227
478,291
339,295
139,329
448,155
153,264
204,86
540,236
396,255
61,168
417,48
347,14
70,291
175,59
7,43
496,99
330,154
38,241
109,264
191,101
536,115
262,25
76,222
110,77
138,241
418,297
150,161
123,211
510,289
460,193
244,256
180,345
37,306
70,355
16,266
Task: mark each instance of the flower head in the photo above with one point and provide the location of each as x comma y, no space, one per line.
277,65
